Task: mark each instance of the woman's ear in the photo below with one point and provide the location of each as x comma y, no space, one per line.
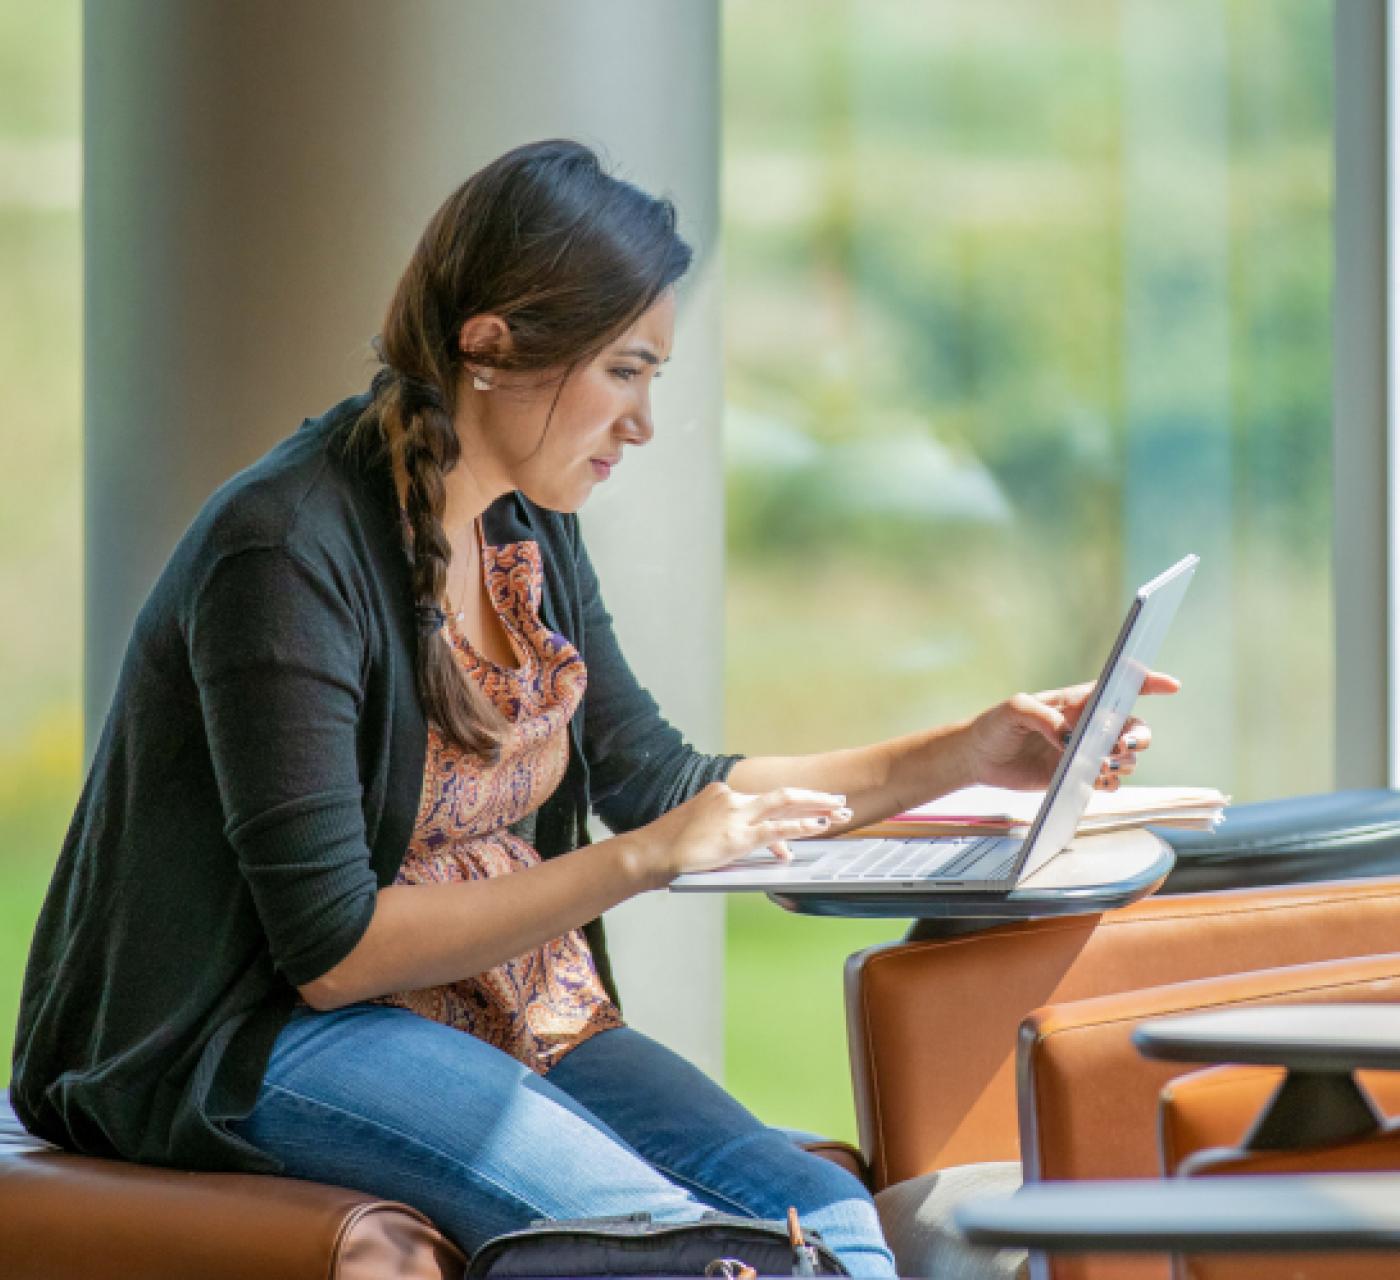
485,334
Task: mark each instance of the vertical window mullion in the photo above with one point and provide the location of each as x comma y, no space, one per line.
1363,388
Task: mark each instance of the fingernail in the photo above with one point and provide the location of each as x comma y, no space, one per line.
1130,742
843,813
821,822
1113,764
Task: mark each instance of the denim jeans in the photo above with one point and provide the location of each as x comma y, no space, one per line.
377,1098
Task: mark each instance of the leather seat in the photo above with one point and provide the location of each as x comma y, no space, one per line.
933,1026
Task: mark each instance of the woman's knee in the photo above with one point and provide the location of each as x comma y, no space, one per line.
457,1129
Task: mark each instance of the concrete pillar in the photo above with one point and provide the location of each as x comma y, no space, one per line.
256,176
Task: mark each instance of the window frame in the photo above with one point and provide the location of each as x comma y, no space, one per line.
1366,497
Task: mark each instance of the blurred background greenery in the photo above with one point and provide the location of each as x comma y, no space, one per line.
1024,299
41,632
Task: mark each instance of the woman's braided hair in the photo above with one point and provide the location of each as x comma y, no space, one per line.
570,257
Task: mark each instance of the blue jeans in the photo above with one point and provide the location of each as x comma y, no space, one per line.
377,1098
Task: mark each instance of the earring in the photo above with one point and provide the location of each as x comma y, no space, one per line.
480,383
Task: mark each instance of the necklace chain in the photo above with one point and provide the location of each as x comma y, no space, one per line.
461,614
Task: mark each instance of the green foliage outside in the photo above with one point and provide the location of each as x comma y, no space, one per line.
41,514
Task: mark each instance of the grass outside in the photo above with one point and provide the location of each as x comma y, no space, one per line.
785,1022
38,788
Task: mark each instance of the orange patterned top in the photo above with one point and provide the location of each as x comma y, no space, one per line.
539,1005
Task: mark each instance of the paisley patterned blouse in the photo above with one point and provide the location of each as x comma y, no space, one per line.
537,1006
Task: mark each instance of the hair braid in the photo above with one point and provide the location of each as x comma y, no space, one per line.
418,425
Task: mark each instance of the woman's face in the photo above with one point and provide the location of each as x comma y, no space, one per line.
602,407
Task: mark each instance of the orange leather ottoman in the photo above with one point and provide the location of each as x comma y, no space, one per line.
72,1217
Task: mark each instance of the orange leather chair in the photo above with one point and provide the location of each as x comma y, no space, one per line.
1083,1051
1240,1120
1314,1191
1014,1043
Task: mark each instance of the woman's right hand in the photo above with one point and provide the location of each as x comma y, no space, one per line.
718,825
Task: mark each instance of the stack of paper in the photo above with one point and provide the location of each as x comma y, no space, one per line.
997,811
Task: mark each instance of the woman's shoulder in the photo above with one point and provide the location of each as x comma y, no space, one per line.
310,494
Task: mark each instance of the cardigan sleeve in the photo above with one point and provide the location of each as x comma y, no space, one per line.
276,655
639,765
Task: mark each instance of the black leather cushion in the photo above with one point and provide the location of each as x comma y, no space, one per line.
1339,835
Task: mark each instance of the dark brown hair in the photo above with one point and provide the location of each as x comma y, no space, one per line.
571,257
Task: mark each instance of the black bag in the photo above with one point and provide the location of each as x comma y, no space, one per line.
632,1245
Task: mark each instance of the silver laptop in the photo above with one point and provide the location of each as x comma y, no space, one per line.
982,864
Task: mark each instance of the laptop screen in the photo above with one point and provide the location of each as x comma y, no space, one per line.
1106,712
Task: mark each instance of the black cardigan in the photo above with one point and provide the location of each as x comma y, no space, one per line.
256,783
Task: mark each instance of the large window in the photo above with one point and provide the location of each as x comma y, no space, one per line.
1025,299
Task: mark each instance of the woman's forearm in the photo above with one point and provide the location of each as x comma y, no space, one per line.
426,935
877,780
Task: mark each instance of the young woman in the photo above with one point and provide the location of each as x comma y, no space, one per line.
327,906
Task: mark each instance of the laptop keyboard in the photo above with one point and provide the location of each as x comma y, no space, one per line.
900,860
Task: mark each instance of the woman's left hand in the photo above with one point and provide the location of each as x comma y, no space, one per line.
1018,743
